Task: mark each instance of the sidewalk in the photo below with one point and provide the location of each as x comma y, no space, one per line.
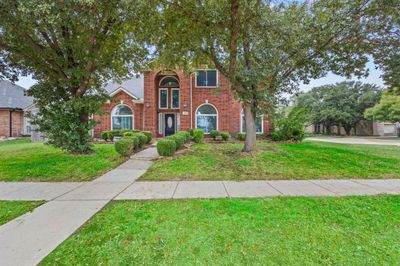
357,140
258,188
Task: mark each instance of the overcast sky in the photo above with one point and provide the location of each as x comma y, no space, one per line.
374,78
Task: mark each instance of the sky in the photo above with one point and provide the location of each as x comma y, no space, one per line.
374,78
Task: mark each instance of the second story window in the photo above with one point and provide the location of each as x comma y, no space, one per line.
163,99
206,78
175,98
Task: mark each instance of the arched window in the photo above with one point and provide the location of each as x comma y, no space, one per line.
121,117
207,118
169,82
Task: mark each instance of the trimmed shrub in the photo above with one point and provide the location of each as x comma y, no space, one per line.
135,140
106,135
198,135
179,140
214,134
128,134
124,147
149,136
278,136
225,136
122,131
241,136
142,138
166,147
116,133
185,134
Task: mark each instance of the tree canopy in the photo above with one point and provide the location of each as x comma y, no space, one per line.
72,48
265,48
388,108
341,104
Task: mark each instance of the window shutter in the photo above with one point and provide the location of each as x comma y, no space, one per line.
178,121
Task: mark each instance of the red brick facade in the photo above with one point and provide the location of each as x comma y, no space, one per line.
17,123
147,112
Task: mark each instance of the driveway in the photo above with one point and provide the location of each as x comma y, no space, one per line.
359,140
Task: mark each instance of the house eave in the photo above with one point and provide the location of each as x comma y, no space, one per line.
118,90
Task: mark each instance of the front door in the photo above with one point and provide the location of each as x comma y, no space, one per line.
169,124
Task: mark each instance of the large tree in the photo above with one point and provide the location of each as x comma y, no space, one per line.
72,48
386,51
341,104
265,48
384,40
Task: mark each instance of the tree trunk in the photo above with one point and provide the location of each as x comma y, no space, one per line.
328,129
250,142
347,128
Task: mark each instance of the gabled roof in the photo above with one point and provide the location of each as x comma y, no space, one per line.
124,90
13,96
135,86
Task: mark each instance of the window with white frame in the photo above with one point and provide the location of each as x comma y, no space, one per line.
163,99
206,78
259,124
121,117
27,125
175,98
207,118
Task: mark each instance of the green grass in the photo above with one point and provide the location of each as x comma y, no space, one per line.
307,160
271,231
12,209
21,160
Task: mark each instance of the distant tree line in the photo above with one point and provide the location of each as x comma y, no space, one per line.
341,104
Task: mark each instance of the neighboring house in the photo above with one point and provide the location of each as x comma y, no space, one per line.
13,100
363,128
164,102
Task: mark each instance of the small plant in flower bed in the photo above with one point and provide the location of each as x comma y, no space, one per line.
179,140
142,138
241,136
225,136
214,134
185,134
129,134
125,146
135,140
149,136
106,135
198,135
109,135
166,147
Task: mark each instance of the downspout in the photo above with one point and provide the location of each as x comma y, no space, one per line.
10,122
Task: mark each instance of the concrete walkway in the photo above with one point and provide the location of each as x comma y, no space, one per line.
29,238
358,140
258,188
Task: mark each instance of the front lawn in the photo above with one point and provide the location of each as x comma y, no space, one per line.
307,160
10,210
21,160
271,231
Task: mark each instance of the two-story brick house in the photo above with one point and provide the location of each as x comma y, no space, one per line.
164,102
